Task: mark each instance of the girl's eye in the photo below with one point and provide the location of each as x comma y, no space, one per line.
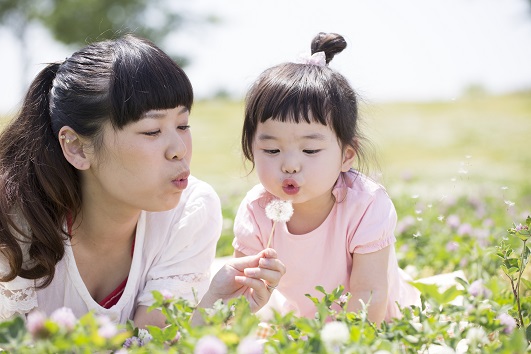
311,152
152,133
272,151
183,127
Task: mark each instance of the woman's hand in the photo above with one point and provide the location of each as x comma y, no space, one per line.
253,276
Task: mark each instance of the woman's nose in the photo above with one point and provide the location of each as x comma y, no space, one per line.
177,149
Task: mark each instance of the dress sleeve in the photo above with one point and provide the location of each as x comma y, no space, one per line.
250,226
17,296
375,229
183,264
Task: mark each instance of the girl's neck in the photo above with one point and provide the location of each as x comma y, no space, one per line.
309,215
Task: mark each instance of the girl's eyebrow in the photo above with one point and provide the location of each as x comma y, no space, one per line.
316,136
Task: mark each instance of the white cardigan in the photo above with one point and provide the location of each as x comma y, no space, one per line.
173,251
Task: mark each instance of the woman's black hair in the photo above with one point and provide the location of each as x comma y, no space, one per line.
112,81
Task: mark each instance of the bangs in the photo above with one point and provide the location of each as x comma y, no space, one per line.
292,93
146,81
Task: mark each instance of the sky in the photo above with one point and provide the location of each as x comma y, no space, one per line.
396,50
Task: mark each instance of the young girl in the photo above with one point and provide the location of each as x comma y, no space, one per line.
301,134
98,207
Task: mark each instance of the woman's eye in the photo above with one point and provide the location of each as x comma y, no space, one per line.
183,127
152,133
271,151
311,152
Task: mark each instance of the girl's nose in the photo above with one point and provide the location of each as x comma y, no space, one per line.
177,149
290,167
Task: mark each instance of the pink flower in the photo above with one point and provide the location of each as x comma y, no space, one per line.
453,221
107,329
452,246
35,323
477,289
210,345
250,345
508,322
464,229
167,295
64,317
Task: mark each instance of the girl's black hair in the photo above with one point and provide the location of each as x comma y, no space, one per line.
294,92
112,81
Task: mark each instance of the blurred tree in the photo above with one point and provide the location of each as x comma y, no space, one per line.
78,22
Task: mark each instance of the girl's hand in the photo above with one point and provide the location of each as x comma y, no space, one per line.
253,276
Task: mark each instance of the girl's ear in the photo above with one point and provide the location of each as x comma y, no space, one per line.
72,146
349,154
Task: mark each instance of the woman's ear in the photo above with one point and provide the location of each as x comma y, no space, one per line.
349,154
72,146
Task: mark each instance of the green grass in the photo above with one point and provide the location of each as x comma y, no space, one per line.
417,146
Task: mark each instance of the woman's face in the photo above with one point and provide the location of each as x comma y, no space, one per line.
144,166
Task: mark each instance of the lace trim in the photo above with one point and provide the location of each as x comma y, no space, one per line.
16,301
188,278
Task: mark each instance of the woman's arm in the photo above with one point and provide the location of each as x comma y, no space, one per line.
368,282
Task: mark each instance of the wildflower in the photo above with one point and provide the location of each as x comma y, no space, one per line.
210,345
343,299
477,336
477,289
64,317
35,323
278,211
464,229
167,295
509,203
107,329
520,227
417,234
250,345
453,221
132,342
440,218
452,246
508,322
144,336
334,334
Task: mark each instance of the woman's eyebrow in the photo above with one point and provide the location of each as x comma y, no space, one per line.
161,113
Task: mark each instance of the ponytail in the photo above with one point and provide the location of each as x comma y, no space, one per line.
38,187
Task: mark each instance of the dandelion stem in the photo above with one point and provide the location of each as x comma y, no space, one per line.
271,234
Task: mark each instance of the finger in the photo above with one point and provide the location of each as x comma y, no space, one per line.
260,294
272,264
244,262
268,253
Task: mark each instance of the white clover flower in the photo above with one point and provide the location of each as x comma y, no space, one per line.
279,210
334,334
64,317
210,345
107,329
477,335
35,322
250,345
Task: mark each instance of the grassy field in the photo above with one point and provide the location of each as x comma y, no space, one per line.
417,147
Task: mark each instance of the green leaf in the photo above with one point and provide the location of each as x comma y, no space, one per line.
12,330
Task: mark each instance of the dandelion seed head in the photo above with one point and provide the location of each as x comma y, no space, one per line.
335,333
279,210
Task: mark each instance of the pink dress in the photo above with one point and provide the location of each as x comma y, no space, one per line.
362,220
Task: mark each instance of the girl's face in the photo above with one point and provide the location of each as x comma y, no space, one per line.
299,161
144,166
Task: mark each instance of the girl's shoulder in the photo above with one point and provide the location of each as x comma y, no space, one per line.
258,195
356,183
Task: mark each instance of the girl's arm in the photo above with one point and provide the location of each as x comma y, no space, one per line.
368,282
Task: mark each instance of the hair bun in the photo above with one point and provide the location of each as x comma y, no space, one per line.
329,43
